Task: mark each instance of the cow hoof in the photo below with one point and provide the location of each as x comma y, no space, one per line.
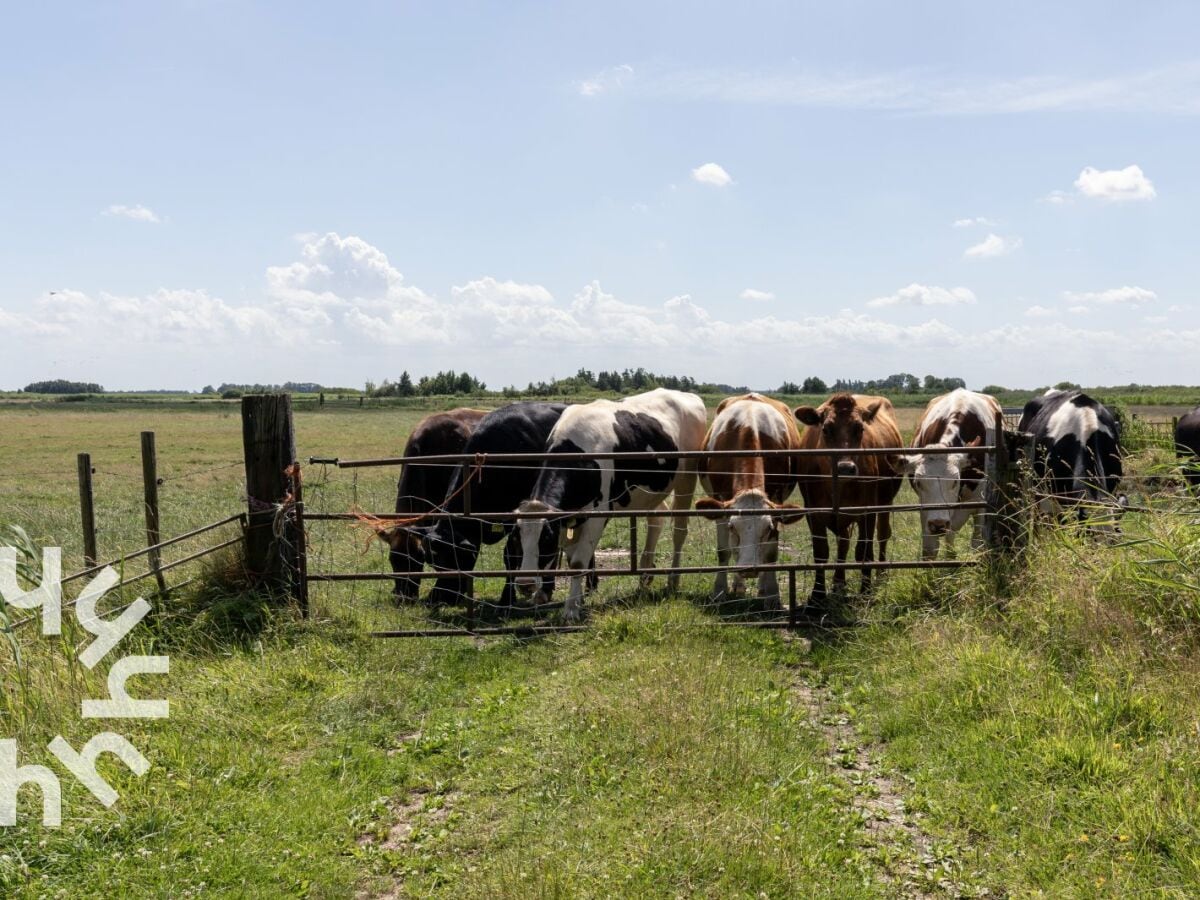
673,583
646,580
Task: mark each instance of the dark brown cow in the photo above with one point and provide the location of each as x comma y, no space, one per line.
754,486
844,422
423,488
1187,446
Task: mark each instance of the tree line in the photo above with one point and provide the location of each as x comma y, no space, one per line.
902,383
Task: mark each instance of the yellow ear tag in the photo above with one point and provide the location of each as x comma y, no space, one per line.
497,528
571,534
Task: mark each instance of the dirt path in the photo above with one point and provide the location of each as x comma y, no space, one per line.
906,854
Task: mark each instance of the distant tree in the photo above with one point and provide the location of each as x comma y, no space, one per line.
1066,386
62,386
814,385
230,394
404,387
993,389
208,389
789,387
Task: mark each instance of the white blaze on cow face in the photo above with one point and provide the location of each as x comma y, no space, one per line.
753,536
937,480
530,531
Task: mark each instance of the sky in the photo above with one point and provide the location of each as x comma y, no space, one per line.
205,191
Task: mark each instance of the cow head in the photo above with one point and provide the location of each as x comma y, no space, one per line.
450,548
539,544
841,421
938,480
407,554
753,525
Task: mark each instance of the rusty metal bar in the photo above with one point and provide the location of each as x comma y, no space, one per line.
458,458
666,570
633,546
143,551
627,513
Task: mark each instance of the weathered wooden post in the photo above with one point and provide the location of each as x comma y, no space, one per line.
150,494
269,445
87,510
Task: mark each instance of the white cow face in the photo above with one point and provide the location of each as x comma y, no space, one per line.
937,479
754,534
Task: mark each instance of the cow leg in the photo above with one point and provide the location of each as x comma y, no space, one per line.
593,580
580,554
883,533
866,543
820,552
654,527
721,585
685,486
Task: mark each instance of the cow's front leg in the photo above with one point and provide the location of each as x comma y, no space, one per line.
842,533
721,583
866,541
580,553
685,486
654,527
820,552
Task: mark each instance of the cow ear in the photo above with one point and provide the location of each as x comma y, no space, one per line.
976,441
871,409
787,513
711,507
807,415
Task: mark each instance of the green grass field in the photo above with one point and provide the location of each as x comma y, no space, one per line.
972,735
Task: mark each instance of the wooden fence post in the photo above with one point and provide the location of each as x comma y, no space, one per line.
150,493
269,446
87,510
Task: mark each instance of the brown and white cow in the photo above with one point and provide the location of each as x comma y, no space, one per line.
962,419
752,487
846,422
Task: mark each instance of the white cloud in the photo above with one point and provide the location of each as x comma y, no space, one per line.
991,246
1040,312
1129,183
923,295
971,220
1155,320
711,173
1057,198
640,208
1172,89
1125,296
137,212
1079,310
606,80
756,296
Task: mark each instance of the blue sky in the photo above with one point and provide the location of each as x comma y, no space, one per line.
212,191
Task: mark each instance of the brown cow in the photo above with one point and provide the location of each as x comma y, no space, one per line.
844,422
423,488
752,485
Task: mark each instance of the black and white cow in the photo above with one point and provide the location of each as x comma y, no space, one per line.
1078,453
1187,445
661,420
455,543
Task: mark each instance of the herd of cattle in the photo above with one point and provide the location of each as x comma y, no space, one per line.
845,492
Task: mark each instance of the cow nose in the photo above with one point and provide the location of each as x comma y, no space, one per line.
938,526
846,467
525,584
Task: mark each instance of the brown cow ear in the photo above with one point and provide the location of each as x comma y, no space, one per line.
787,513
871,410
977,441
807,415
711,507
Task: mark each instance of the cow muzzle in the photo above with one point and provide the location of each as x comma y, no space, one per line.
938,526
847,468
525,585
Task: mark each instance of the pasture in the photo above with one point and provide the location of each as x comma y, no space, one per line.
977,733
